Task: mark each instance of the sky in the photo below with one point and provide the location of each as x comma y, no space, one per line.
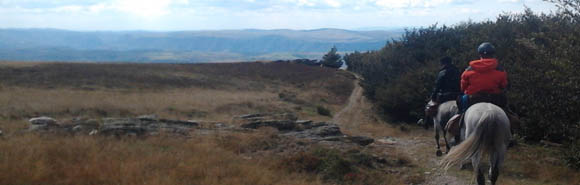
176,15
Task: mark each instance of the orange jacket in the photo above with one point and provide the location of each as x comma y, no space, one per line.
483,76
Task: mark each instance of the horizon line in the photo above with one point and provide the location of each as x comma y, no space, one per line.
202,30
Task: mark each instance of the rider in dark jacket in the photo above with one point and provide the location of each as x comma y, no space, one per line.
446,89
447,84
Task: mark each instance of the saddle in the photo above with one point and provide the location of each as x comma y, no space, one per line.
454,124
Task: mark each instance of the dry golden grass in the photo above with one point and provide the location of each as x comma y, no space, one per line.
175,103
537,165
212,92
46,159
18,64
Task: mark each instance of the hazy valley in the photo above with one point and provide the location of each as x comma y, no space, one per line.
184,46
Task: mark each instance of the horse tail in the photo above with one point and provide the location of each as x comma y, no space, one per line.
476,143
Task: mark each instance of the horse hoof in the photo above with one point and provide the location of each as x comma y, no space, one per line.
465,166
439,153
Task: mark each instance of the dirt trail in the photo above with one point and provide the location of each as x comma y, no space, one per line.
351,115
418,144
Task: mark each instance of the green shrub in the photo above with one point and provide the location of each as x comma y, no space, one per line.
322,111
328,163
539,52
572,156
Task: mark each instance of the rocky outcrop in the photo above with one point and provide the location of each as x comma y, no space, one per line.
282,125
42,123
287,124
265,116
361,140
143,125
304,129
282,122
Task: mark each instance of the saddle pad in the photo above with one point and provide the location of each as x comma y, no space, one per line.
453,126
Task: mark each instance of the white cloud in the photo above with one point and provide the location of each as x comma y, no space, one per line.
411,3
97,8
139,8
69,8
305,3
433,3
143,8
508,1
469,10
419,12
240,14
393,3
333,3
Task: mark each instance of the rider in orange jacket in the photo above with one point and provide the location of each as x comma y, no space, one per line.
483,76
483,81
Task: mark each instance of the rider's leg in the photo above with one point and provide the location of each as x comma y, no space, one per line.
463,104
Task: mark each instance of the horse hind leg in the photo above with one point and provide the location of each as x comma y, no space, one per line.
438,153
475,160
495,161
446,142
493,173
480,177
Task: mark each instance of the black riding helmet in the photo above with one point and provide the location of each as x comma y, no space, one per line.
486,49
445,60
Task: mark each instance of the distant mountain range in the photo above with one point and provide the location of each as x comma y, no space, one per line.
184,46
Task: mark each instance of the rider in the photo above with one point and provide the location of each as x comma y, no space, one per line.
447,83
483,81
446,87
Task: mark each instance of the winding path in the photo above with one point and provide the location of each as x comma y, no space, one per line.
418,144
351,115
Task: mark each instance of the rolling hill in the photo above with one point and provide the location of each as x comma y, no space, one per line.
183,46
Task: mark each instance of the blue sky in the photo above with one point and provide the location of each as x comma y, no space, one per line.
163,15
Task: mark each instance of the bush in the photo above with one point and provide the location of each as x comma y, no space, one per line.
322,110
572,156
332,59
328,163
539,52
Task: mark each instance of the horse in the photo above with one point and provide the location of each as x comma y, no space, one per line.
487,130
444,112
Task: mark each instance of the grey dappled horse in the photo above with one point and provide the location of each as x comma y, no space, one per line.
444,112
487,130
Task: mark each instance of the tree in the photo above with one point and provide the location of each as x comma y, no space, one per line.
568,7
332,59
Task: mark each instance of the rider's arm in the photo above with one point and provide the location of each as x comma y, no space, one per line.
464,81
438,84
504,82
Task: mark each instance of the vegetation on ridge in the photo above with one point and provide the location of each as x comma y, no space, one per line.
540,53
